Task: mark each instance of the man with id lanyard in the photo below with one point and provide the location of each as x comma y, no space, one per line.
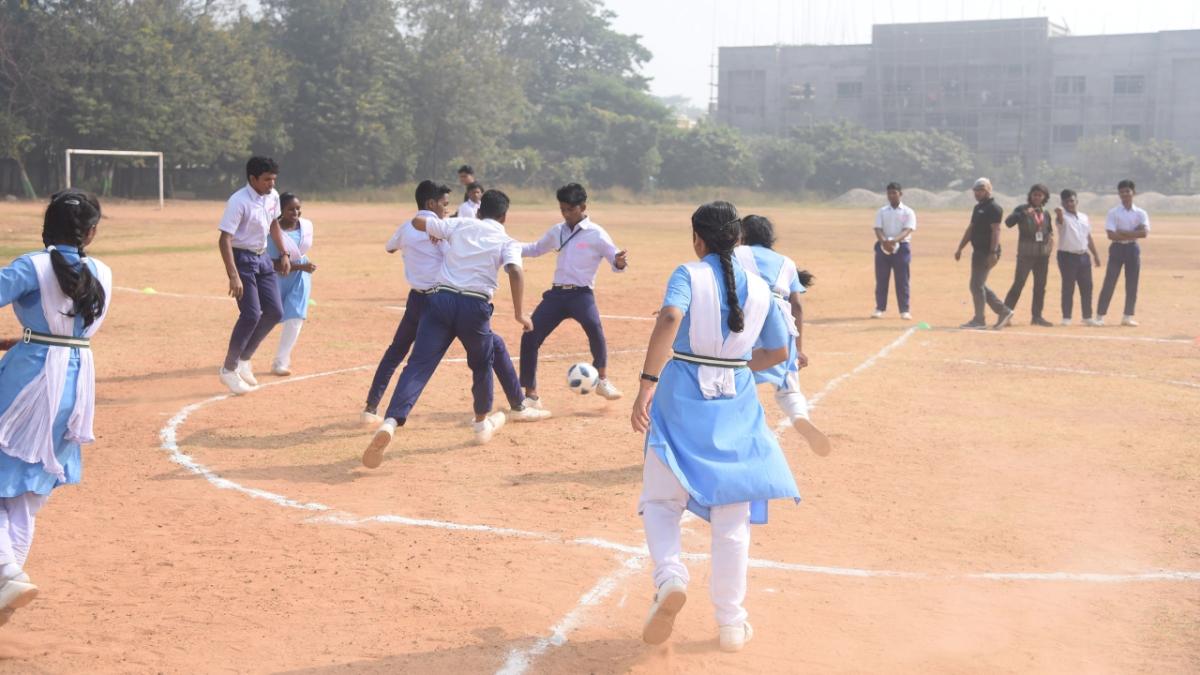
1035,243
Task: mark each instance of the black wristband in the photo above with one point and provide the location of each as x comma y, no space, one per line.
649,378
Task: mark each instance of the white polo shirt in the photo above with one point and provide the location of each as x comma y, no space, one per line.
893,221
422,256
248,217
1121,219
468,209
580,250
475,251
1074,232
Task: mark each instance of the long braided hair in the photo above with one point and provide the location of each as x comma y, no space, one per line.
72,214
760,231
718,226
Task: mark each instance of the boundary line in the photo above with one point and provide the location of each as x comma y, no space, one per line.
1072,371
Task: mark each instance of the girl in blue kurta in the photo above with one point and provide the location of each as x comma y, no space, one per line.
47,378
296,287
708,446
787,285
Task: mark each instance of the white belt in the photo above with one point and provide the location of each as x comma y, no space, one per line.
710,360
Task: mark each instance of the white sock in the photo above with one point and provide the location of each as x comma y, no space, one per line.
244,364
287,341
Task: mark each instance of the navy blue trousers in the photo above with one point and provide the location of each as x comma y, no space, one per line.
259,307
897,264
557,305
1076,268
406,335
1128,256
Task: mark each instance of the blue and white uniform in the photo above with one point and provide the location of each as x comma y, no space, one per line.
709,448
47,395
294,290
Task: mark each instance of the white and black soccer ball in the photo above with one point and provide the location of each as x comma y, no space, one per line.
582,378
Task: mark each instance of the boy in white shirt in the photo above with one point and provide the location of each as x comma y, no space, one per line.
1125,224
894,225
1074,243
470,203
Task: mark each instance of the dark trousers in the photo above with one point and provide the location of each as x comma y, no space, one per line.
259,307
1040,266
980,293
559,304
1076,268
897,264
1129,256
406,335
448,316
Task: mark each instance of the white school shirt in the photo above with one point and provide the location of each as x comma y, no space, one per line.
893,221
1075,231
475,250
580,251
422,256
1121,219
468,209
248,217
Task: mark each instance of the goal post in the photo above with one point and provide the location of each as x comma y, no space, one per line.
120,153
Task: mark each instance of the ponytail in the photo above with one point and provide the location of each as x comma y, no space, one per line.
72,214
718,226
806,278
737,318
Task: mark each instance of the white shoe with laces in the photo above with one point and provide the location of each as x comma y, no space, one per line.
490,424
373,455
1128,320
877,314
236,384
245,372
280,369
1092,322
370,417
1099,320
1066,322
532,403
15,594
528,413
607,390
733,638
669,599
907,316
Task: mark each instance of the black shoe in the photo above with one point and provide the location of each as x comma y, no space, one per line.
1004,320
974,324
1039,321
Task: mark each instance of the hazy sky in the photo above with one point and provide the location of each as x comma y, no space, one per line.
683,34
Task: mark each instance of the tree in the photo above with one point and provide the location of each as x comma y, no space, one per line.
706,154
785,164
1162,164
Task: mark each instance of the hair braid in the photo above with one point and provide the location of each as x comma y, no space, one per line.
737,318
718,225
69,217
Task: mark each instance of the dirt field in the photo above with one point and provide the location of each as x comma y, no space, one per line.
1015,501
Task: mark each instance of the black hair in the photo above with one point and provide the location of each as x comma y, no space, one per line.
1066,194
69,217
1127,183
718,226
494,205
473,185
287,198
427,190
466,168
257,166
759,231
894,186
1039,187
572,193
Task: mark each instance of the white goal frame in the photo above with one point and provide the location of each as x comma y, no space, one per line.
120,153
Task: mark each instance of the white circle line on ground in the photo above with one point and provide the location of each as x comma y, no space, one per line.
169,443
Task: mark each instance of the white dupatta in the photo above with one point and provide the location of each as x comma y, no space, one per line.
705,328
781,289
26,428
306,239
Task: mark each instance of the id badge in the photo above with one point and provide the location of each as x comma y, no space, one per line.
1039,236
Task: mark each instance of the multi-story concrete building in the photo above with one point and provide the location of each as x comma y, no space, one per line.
1023,88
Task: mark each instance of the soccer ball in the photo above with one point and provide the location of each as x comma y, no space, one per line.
582,378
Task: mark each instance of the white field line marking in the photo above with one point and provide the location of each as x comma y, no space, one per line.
172,295
1049,334
1073,371
519,660
168,434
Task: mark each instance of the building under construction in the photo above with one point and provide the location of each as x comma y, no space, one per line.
1010,88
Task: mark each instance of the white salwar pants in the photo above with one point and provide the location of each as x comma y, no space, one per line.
661,506
287,342
16,526
791,400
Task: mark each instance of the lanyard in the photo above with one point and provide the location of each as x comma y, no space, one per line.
562,243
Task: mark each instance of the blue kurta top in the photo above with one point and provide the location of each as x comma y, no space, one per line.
769,264
721,449
19,287
295,288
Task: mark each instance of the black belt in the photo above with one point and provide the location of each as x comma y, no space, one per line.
710,360
30,336
460,291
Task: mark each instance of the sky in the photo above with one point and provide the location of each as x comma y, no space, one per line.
684,34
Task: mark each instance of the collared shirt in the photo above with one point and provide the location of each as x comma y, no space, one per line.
422,256
1076,228
986,214
475,251
580,250
893,221
1029,221
1121,219
468,209
248,217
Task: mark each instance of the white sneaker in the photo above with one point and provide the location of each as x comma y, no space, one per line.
1128,320
369,418
16,594
280,369
373,455
1099,320
669,599
1066,322
528,414
532,403
1092,322
230,379
877,314
245,372
907,316
489,426
733,638
607,390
